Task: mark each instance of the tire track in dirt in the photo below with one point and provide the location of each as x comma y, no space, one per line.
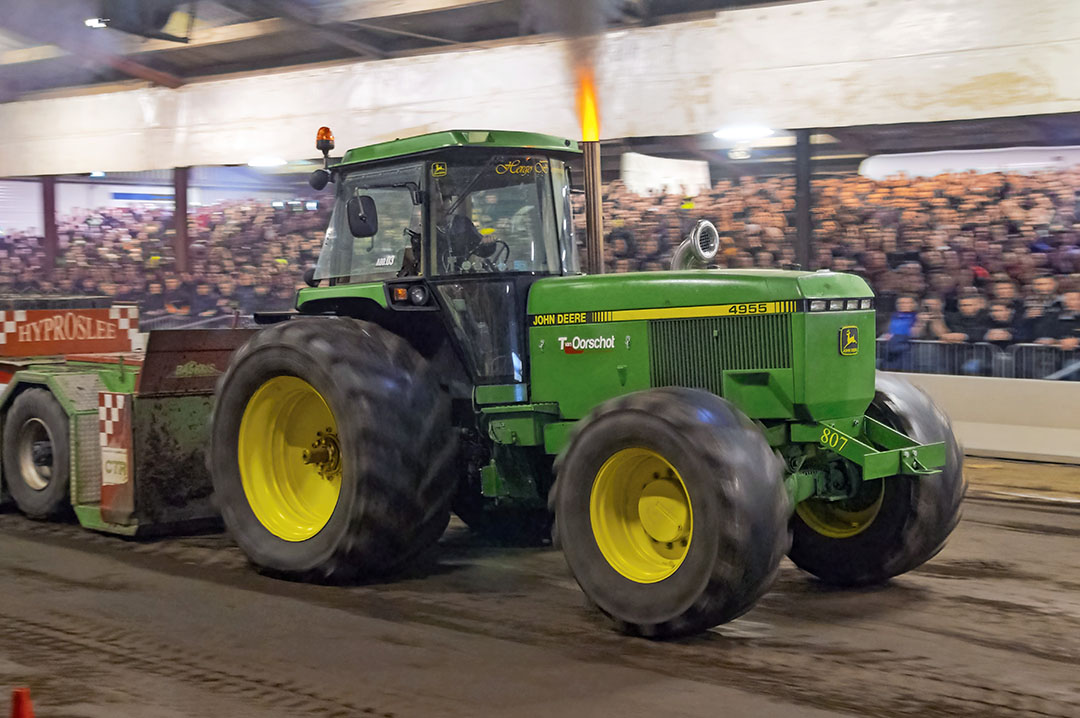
75,644
805,643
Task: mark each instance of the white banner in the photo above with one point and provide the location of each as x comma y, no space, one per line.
815,64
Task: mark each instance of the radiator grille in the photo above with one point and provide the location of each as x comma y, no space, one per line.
694,352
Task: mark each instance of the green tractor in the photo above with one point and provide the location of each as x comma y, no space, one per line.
675,433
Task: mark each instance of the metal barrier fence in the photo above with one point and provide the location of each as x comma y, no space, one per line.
1020,361
172,321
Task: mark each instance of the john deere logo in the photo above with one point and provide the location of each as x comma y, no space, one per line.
849,341
438,169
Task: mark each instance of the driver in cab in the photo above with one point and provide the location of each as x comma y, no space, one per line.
457,237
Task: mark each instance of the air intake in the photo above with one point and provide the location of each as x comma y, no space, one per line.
694,353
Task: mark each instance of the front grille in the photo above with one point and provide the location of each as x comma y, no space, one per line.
86,459
694,352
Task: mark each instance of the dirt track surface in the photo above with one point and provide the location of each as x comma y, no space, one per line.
100,627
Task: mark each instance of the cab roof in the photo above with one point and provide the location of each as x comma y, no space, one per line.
495,139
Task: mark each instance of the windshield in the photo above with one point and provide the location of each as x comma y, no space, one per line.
496,213
393,251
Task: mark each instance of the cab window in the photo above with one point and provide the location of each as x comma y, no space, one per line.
494,213
394,249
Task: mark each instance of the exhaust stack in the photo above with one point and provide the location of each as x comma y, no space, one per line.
594,216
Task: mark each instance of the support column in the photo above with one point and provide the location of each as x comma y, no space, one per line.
52,239
802,198
180,212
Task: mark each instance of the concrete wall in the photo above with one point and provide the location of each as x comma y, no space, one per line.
1010,418
20,207
815,64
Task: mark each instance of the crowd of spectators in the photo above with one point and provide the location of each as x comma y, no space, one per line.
958,258
243,257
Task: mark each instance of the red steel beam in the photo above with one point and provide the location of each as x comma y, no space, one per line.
180,216
137,69
52,239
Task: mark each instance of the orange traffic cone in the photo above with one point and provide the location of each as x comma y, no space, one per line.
21,707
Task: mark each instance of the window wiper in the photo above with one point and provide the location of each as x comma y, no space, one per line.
415,194
468,188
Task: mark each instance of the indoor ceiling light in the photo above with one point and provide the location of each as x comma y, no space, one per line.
96,22
97,173
742,133
267,162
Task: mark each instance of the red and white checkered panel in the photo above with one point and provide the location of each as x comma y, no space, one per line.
112,419
114,433
127,320
9,321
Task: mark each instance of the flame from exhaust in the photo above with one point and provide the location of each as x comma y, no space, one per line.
586,103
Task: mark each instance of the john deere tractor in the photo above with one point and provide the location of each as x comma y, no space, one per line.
675,433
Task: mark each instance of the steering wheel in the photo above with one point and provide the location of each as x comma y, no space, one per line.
470,243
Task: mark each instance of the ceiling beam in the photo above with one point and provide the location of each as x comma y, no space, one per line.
203,37
851,139
136,69
26,21
403,33
350,10
303,17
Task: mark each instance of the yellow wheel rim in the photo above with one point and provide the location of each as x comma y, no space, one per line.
641,515
846,518
290,460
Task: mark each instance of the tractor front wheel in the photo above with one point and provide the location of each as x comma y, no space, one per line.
891,525
671,511
331,450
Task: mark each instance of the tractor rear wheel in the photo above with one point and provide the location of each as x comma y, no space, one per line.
332,450
891,525
36,454
671,511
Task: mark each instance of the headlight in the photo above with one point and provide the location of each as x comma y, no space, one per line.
836,305
852,304
418,294
818,305
867,303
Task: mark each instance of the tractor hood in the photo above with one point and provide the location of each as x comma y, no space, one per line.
644,290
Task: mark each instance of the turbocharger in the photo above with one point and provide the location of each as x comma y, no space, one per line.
698,249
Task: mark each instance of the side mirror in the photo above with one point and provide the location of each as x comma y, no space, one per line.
363,218
318,179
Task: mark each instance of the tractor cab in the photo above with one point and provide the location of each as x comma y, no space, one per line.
468,218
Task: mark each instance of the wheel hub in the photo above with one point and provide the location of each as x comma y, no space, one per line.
641,515
664,513
325,454
34,449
